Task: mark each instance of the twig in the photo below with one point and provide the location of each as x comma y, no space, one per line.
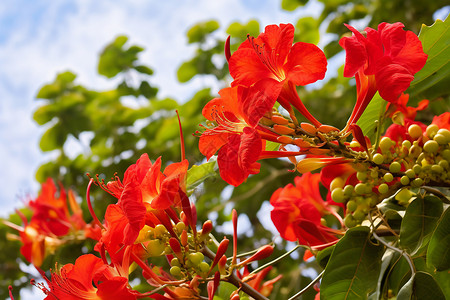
275,260
308,286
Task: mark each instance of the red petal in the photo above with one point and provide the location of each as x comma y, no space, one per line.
392,80
305,64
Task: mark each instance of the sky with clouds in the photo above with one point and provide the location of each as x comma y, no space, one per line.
42,37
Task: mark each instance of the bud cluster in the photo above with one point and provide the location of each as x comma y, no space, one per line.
396,166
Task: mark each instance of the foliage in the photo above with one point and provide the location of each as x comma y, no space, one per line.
391,243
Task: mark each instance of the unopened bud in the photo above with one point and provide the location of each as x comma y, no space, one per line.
280,129
222,265
279,120
262,253
207,227
184,238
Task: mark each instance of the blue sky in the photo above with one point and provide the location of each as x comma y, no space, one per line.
42,37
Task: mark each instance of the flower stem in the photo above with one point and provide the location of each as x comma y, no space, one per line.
275,260
308,286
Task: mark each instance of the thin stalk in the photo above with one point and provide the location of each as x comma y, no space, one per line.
275,260
308,286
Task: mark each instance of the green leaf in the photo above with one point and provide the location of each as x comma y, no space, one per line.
198,174
53,138
421,286
419,222
354,266
198,32
147,90
372,113
240,31
307,30
435,42
272,146
438,253
323,256
44,114
187,70
144,70
291,5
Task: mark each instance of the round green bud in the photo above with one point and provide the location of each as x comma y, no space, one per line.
445,132
432,130
374,173
437,169
348,190
388,177
360,188
175,271
415,131
359,215
354,144
431,146
417,182
417,168
180,226
337,195
196,258
395,167
440,139
337,182
362,176
444,163
175,262
410,173
406,144
350,221
404,180
415,151
351,206
383,188
446,154
160,230
385,144
203,267
378,158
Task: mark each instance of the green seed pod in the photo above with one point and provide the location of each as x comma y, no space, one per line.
348,190
406,144
180,227
385,144
432,130
360,188
417,168
415,131
203,267
395,167
175,271
175,262
437,169
378,158
362,176
440,139
410,173
351,206
338,195
350,221
388,177
196,258
431,146
417,182
383,188
404,180
359,215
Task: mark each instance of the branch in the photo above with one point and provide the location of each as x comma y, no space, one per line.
308,286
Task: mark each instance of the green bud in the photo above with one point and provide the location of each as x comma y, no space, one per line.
359,215
378,158
383,188
404,180
437,168
175,262
175,271
203,267
196,258
417,168
415,131
360,188
388,177
337,195
348,190
417,182
351,206
410,173
395,167
440,139
431,146
362,176
350,221
432,130
385,144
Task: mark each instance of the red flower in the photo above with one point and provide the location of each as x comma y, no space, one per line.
398,110
144,188
384,60
442,121
89,278
278,66
237,135
298,210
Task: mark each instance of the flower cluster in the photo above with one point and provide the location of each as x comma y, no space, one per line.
152,216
